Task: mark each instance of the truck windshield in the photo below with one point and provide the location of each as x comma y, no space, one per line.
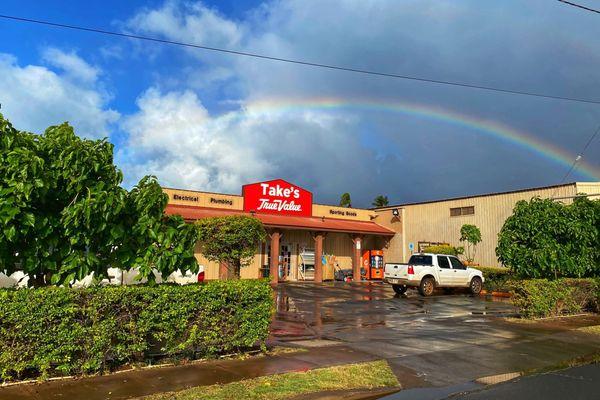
420,260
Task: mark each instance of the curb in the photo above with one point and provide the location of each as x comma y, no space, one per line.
505,295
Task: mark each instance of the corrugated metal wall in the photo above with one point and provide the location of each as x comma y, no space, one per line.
431,222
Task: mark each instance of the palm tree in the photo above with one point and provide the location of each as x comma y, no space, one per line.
345,200
380,201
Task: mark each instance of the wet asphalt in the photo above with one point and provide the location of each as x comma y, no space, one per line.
443,341
577,383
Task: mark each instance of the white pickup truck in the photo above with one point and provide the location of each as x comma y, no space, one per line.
427,271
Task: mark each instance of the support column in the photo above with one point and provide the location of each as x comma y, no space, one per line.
274,264
223,271
356,261
318,256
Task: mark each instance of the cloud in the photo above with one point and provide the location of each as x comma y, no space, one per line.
191,22
71,64
34,97
396,151
174,137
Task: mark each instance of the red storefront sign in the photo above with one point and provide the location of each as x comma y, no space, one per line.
277,197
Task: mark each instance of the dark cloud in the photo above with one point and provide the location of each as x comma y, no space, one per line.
534,46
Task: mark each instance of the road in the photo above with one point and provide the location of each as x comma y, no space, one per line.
578,383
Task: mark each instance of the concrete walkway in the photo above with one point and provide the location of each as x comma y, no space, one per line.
143,382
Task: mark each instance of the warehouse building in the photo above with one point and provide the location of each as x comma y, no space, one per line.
418,225
310,241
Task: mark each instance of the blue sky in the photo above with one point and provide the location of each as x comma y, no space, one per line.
213,122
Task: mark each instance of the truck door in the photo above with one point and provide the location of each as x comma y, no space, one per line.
445,272
461,275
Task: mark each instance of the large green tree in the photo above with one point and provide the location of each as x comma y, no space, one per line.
64,214
231,240
152,240
548,239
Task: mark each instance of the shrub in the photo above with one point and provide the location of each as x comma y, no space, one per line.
231,240
444,249
548,239
546,298
59,331
64,214
496,278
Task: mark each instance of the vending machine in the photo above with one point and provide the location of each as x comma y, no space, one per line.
372,263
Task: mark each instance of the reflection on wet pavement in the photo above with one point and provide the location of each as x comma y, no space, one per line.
436,341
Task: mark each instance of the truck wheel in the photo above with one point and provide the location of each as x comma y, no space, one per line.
427,286
476,285
400,289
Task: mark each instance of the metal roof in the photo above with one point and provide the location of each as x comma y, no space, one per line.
473,196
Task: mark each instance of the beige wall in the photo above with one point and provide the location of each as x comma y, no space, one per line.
355,214
204,199
431,222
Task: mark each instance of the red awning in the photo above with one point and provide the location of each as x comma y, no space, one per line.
192,213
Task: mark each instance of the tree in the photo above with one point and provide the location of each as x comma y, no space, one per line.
380,201
231,240
153,241
64,214
472,235
548,239
345,200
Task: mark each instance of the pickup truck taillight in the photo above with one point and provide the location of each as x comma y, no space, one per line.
411,270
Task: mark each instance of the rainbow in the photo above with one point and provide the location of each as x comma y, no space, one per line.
490,128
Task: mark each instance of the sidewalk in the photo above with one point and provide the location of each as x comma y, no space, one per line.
135,383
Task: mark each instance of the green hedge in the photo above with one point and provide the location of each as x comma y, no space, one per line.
547,298
59,331
496,279
444,249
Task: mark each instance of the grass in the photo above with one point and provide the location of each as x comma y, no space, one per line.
369,375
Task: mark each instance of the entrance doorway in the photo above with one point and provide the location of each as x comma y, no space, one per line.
306,264
286,267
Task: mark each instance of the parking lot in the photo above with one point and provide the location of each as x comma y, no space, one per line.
436,341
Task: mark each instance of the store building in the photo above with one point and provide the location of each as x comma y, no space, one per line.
309,241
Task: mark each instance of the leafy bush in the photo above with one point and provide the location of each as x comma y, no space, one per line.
548,239
444,249
59,331
546,298
64,214
496,278
231,240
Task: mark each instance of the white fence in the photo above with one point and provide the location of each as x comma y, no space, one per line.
117,277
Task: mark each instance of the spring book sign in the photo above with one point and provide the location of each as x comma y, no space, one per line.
277,197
